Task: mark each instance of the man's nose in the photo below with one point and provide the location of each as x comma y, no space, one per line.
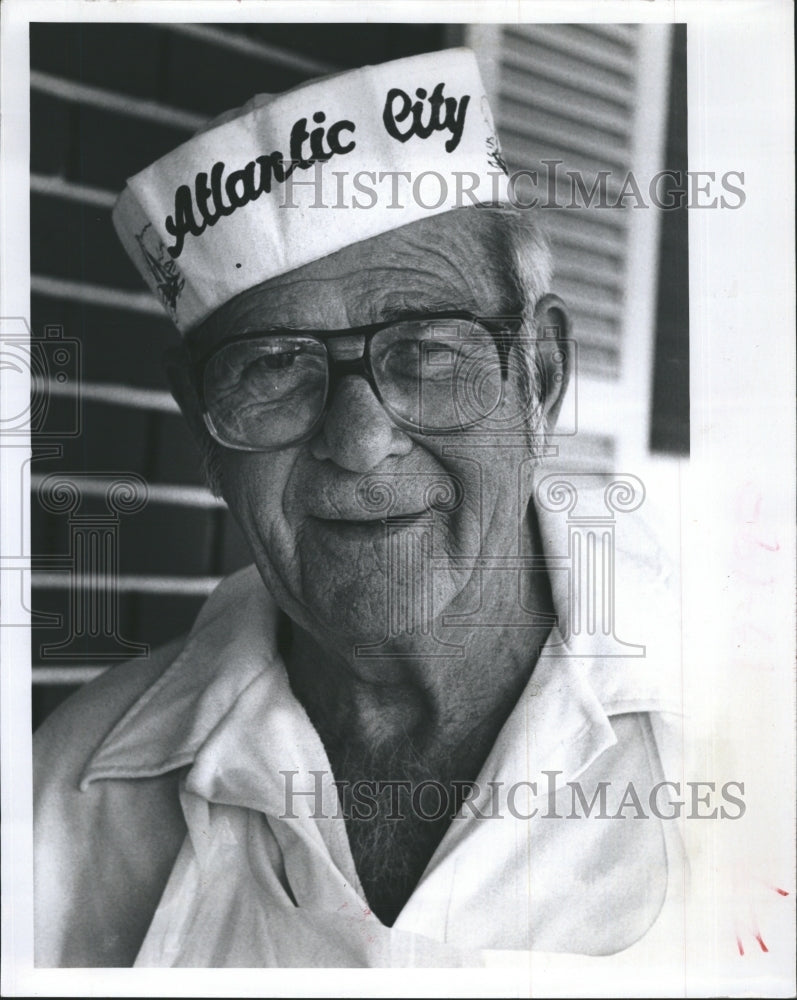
357,434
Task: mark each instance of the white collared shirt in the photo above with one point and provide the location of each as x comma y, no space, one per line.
266,878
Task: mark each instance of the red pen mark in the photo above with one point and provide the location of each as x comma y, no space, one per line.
761,942
739,945
769,548
774,888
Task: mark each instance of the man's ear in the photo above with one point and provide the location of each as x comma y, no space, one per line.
555,351
179,372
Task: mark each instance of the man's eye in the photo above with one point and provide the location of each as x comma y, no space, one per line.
276,362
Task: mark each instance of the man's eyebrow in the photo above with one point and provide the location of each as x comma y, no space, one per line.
392,307
398,307
395,312
399,315
383,317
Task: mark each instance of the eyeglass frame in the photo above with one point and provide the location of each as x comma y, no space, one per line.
338,368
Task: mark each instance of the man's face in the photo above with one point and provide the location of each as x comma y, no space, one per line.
318,542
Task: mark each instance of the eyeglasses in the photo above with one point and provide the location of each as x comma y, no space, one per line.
434,374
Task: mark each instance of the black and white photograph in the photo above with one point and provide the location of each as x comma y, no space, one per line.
467,646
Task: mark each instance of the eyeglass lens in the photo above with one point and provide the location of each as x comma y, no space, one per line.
433,376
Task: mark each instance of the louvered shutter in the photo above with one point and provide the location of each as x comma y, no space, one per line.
589,98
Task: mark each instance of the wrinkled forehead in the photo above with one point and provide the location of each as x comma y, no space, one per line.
455,261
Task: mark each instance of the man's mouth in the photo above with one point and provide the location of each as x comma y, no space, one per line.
372,521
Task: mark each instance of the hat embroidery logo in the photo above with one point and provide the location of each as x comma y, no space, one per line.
494,155
168,280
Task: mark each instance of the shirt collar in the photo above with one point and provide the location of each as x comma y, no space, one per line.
232,642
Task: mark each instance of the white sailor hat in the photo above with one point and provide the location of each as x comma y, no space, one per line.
290,178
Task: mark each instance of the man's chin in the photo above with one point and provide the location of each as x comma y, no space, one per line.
370,581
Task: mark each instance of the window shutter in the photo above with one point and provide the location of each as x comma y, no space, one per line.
590,97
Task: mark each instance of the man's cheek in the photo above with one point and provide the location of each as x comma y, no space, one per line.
270,538
346,593
461,531
255,494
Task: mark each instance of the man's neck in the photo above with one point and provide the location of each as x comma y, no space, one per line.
438,706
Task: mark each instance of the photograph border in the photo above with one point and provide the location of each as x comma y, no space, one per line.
737,495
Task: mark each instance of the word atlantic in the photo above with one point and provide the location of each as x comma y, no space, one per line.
196,209
247,184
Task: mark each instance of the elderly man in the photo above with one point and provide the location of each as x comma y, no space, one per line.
360,754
